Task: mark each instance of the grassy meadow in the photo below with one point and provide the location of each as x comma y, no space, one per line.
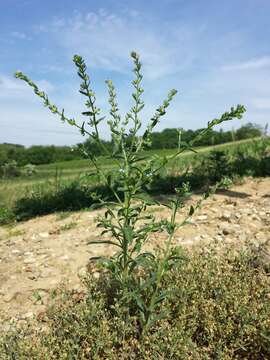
51,175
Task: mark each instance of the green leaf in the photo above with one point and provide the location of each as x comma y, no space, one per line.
88,113
103,242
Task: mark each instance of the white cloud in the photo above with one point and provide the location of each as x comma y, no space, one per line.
105,40
258,63
20,35
13,87
261,103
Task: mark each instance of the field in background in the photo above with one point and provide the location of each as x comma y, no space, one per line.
52,175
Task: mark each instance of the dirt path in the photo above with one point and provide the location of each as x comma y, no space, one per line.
35,256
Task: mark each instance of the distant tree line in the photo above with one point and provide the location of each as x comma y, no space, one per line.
36,155
166,139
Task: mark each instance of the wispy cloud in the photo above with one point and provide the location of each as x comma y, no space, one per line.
9,87
262,103
258,63
106,39
20,35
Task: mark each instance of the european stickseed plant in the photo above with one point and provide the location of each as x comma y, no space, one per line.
136,274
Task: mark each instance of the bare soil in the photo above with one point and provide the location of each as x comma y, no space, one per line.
38,255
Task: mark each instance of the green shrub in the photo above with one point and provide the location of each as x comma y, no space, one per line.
6,216
29,170
217,308
71,196
10,169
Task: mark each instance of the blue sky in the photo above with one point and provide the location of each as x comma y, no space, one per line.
215,53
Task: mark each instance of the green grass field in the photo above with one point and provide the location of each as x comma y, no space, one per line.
51,174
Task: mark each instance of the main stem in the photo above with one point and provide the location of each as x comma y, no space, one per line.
127,202
160,271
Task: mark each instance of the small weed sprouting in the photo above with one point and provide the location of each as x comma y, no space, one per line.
68,226
126,219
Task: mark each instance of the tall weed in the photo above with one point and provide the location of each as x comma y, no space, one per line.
126,221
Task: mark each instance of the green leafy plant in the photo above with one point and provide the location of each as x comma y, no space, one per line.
29,170
126,220
7,216
10,169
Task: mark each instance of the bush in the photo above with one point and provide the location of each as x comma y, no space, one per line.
6,216
10,169
46,200
218,308
29,170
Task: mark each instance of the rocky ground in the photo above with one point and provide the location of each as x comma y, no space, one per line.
37,255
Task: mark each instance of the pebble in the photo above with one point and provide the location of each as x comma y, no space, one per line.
15,251
27,315
202,217
82,271
44,235
226,216
29,261
32,277
28,253
218,237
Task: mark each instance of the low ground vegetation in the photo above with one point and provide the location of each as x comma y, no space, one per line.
217,308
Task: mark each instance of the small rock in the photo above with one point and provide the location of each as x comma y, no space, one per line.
9,297
242,237
226,231
27,315
28,253
96,275
46,273
82,271
29,261
218,238
226,216
27,269
16,251
229,240
32,277
44,235
202,217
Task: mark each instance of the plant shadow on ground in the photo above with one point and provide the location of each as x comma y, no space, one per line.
234,194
